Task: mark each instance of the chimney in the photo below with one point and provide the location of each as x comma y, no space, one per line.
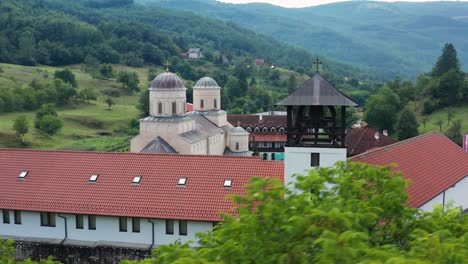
260,118
385,132
377,135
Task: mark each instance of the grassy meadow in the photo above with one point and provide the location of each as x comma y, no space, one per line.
431,121
87,126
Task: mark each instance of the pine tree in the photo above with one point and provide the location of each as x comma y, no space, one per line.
407,125
447,61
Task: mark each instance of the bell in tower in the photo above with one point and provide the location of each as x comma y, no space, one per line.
316,115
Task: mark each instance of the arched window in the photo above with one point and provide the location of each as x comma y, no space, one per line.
273,130
202,103
265,156
215,103
174,108
159,108
272,156
257,129
237,145
265,129
248,129
281,130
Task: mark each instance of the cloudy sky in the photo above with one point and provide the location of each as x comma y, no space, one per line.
295,3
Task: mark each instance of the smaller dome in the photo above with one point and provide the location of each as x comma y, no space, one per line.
238,130
206,83
167,80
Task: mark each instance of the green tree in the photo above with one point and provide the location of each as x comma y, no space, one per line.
143,103
43,111
65,91
110,103
382,109
87,94
21,126
447,61
292,84
106,71
350,213
7,255
407,125
129,81
50,124
454,132
67,76
439,123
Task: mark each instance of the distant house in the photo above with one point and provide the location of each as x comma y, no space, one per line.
184,55
259,62
195,53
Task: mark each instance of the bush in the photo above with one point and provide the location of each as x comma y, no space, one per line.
111,92
50,124
43,111
430,105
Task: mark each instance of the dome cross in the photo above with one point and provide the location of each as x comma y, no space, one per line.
168,64
317,63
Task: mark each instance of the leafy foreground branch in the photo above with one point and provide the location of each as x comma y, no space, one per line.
352,213
7,255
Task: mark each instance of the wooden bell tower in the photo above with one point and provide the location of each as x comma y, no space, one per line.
316,126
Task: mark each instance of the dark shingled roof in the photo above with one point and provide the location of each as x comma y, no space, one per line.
317,91
362,139
167,80
159,145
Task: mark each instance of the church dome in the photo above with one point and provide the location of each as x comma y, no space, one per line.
238,130
167,80
206,83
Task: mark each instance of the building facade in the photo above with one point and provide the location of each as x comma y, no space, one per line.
203,131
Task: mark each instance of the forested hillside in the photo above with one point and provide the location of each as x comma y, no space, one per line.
61,32
390,38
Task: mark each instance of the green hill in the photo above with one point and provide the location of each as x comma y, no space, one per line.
392,39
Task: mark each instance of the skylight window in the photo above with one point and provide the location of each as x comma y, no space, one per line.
23,174
136,180
94,178
182,181
227,183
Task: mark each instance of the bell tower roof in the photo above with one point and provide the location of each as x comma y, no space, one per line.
319,92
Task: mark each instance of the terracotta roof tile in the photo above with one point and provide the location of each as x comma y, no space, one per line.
431,161
58,182
267,137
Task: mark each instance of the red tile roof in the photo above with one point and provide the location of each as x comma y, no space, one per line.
362,139
431,161
188,107
267,137
58,182
254,120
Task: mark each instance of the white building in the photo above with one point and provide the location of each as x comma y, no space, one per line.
195,53
203,131
118,199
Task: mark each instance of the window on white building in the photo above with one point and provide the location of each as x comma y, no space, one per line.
215,103
136,225
237,145
169,227
48,219
123,224
202,104
281,130
273,129
314,159
79,221
17,215
265,130
6,216
256,129
159,108
182,227
91,222
248,129
174,108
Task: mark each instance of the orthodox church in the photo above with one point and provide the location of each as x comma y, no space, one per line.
203,131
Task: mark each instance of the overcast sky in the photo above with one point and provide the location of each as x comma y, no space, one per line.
297,3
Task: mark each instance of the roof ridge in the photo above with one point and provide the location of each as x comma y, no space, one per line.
131,153
396,144
359,140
